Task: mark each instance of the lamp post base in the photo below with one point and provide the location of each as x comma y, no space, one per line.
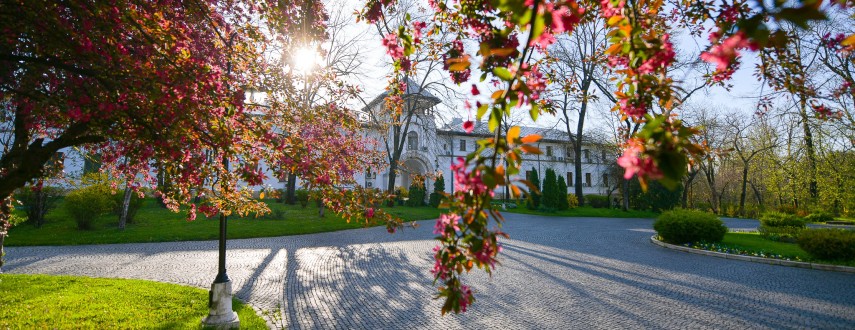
221,315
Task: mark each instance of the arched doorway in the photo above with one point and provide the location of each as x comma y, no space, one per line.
410,168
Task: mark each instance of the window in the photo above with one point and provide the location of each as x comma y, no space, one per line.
549,150
569,179
605,180
604,156
412,141
91,163
587,179
462,145
587,154
528,175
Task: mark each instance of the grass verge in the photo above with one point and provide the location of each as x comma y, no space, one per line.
74,302
752,244
155,224
587,211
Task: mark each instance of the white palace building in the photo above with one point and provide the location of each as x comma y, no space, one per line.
429,149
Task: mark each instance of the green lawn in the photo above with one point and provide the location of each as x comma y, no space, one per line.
587,211
155,224
73,302
752,241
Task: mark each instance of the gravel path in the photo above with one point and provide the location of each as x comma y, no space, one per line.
556,273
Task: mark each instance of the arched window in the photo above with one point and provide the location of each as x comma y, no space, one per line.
413,141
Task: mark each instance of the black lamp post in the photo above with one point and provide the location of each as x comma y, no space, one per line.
221,314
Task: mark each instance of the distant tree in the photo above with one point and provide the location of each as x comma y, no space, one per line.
563,204
656,198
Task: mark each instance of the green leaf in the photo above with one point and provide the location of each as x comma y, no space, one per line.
503,73
488,179
481,111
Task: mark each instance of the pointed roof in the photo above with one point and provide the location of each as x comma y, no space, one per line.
423,97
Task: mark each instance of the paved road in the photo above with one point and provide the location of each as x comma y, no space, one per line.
556,273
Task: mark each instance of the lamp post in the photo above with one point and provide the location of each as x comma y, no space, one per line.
220,312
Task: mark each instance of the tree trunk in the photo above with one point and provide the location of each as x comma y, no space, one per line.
744,186
5,224
291,189
625,195
577,148
811,152
126,202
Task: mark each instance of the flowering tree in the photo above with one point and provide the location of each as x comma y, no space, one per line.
144,82
640,52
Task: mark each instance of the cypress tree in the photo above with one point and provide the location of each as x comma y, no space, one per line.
563,204
550,189
534,197
438,190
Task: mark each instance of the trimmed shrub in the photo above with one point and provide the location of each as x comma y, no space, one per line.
688,226
819,217
781,227
828,244
88,203
572,201
534,197
597,201
563,203
417,193
778,219
550,190
438,189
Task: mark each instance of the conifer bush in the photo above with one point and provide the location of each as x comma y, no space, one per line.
682,226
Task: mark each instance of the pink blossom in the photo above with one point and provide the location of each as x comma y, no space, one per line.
468,126
369,213
724,54
465,297
392,47
631,109
660,59
634,161
475,90
446,221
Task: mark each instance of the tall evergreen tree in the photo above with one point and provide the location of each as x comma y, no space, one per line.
438,190
534,196
563,204
550,189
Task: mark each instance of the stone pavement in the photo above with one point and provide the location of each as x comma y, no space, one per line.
556,273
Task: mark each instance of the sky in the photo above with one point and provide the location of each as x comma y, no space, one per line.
742,97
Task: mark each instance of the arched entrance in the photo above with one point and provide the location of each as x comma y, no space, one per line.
411,167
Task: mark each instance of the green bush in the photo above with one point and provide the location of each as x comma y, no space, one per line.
550,192
819,217
534,197
302,197
597,201
37,202
88,203
778,219
417,193
782,227
572,201
828,244
438,189
563,203
681,226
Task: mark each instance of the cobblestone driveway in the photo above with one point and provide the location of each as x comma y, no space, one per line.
556,273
